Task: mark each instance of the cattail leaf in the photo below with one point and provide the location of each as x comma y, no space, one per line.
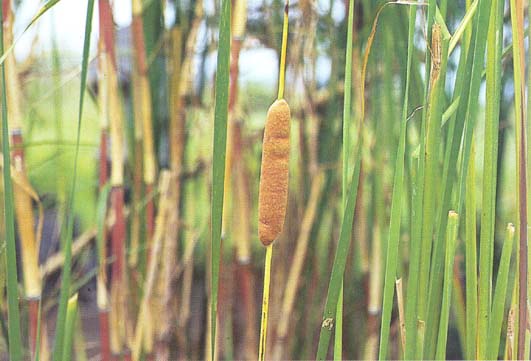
218,163
396,203
68,225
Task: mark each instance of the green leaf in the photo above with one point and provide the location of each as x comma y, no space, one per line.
68,225
396,203
451,239
218,163
70,326
500,295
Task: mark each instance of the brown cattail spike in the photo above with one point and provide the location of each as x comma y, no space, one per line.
273,195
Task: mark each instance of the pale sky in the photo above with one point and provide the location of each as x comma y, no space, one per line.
68,18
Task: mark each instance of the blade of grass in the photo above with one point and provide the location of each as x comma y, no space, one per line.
340,259
439,51
396,202
451,239
68,225
517,22
471,263
462,126
500,295
338,335
70,324
15,343
218,164
488,209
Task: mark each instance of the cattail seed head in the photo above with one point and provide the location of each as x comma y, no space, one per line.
273,194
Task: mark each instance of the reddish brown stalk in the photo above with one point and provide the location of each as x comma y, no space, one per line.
102,298
107,29
22,190
33,315
119,289
105,350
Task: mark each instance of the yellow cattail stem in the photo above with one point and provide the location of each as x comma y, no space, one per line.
273,194
282,70
265,303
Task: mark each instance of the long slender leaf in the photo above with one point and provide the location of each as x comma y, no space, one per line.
67,231
70,324
218,164
500,295
340,260
462,132
471,263
338,335
396,202
494,49
451,239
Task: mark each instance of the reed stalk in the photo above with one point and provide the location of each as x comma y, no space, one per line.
118,293
146,113
102,296
173,229
14,338
23,199
143,338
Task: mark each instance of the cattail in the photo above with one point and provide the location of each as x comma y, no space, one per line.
273,195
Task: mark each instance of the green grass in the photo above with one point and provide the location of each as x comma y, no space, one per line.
218,164
68,225
391,179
